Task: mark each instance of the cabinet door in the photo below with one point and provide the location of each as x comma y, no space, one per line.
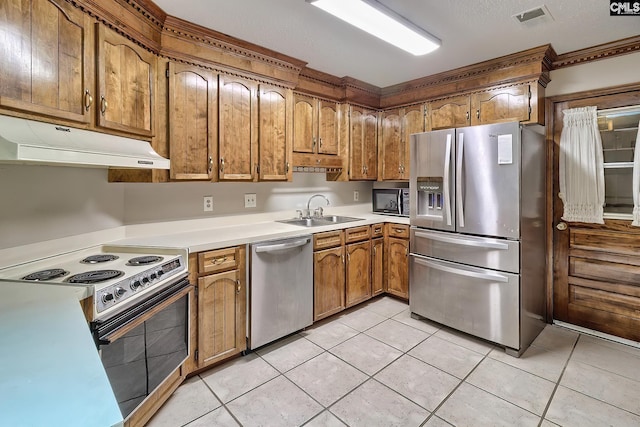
413,121
356,144
46,57
501,105
126,73
238,129
377,266
221,316
398,267
391,145
358,277
304,124
274,133
450,113
328,127
328,282
370,145
193,118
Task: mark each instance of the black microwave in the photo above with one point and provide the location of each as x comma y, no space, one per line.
391,201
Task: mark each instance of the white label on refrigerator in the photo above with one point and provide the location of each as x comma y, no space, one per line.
505,149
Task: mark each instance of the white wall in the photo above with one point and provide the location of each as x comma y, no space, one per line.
182,200
39,203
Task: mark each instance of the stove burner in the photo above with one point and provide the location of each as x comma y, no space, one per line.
53,273
96,276
96,259
144,260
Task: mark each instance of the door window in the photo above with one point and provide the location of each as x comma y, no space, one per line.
618,130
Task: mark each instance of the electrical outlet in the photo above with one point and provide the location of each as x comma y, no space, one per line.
356,195
207,203
250,200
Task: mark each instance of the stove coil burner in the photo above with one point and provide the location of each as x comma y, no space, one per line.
97,259
96,276
43,275
144,260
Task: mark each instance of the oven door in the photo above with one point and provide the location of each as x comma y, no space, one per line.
143,345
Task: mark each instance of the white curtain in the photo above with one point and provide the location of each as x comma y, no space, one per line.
581,166
636,181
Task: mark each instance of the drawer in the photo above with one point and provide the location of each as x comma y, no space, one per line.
357,234
398,230
218,260
377,230
328,239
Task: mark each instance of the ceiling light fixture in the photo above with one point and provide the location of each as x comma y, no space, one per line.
380,21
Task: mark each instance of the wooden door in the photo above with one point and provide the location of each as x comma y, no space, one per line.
450,112
193,118
377,267
46,59
126,76
391,145
274,133
304,123
413,121
501,105
328,127
356,144
237,129
370,145
221,316
358,274
596,268
328,282
398,267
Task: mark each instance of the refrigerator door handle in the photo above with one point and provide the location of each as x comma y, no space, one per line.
464,242
445,180
459,180
475,274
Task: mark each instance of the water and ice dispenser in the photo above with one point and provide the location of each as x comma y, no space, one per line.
430,197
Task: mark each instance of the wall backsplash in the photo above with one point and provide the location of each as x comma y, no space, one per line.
40,203
177,200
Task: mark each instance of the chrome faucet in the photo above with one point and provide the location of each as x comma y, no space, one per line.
318,211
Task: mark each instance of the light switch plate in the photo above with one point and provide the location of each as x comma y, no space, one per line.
250,200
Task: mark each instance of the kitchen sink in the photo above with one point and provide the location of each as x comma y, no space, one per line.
319,221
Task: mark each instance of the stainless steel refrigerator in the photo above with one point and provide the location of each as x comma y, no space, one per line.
477,209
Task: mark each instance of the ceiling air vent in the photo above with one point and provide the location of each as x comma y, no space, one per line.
530,14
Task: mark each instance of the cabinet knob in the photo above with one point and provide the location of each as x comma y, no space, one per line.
561,226
238,287
320,139
222,164
467,116
477,114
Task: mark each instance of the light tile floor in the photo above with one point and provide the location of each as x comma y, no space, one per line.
376,366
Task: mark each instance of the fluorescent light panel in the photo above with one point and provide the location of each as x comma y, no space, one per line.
376,19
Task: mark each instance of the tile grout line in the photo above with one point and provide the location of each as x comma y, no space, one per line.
223,404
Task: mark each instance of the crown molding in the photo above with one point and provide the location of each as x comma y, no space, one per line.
595,53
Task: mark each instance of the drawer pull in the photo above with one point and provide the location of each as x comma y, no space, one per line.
238,288
399,230
219,260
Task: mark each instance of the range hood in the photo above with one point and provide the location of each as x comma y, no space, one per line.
32,142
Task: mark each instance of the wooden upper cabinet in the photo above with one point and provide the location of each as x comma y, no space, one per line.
328,127
46,59
193,118
275,133
450,112
363,144
237,128
304,124
501,105
126,76
413,121
392,151
316,125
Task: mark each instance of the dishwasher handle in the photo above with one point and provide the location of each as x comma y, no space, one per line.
282,246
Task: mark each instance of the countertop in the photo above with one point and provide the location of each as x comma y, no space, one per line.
50,371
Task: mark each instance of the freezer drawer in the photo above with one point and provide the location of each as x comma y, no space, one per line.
496,254
481,302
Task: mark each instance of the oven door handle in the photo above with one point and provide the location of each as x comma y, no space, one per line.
142,317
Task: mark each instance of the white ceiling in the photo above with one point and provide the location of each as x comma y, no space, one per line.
471,32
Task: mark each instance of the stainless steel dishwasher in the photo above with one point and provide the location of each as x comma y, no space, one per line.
281,290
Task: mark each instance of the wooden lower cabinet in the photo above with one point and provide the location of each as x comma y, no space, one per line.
358,277
328,282
398,267
377,266
221,305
